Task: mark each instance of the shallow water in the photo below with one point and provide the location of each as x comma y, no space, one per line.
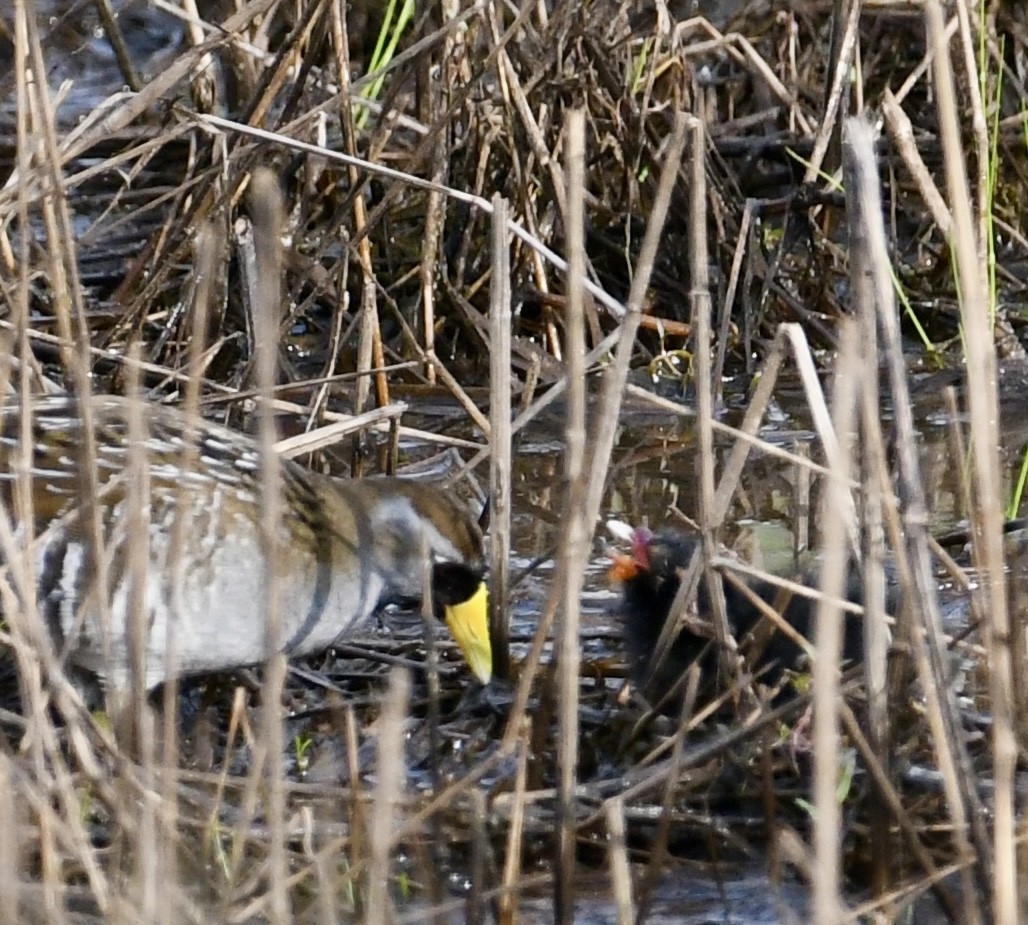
742,895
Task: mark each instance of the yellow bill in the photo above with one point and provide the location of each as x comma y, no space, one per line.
469,624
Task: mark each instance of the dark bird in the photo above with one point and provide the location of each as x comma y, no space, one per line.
346,548
650,577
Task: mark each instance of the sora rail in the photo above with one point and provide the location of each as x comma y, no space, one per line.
650,578
347,549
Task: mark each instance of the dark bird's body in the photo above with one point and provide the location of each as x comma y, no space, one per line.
650,580
346,549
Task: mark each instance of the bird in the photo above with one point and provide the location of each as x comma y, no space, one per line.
650,577
346,549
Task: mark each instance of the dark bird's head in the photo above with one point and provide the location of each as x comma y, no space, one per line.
409,519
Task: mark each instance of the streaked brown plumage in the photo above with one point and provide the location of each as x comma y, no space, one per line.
346,548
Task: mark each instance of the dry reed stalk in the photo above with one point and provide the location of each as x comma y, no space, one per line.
117,39
391,766
12,817
413,433
20,307
871,277
836,530
510,899
910,544
969,46
68,304
998,870
607,415
434,877
820,414
204,80
289,59
845,51
500,461
576,533
534,212
700,307
320,399
62,832
359,824
435,95
20,565
906,528
901,133
137,720
475,911
268,212
620,872
330,434
369,350
517,101
209,249
238,729
917,74
725,313
326,887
